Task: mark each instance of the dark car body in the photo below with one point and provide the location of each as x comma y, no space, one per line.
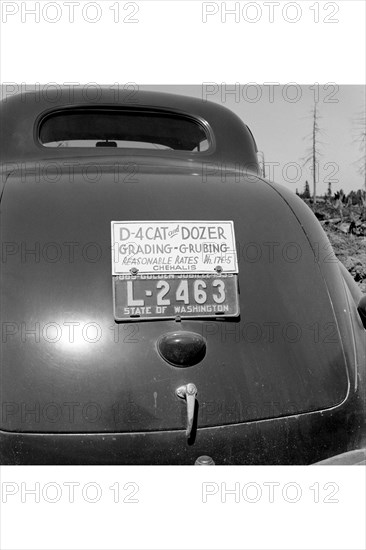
282,383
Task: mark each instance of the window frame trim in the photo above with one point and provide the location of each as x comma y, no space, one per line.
132,150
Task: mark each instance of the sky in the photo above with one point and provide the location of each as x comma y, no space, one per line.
280,118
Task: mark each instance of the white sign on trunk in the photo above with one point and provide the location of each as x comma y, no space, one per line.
173,247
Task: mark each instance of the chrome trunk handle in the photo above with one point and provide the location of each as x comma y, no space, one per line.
188,393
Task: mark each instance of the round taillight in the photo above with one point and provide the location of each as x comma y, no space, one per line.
182,349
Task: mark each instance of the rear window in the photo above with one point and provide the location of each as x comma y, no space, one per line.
123,129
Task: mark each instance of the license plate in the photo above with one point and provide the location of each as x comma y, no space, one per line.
172,296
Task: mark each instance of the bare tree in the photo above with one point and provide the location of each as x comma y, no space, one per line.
313,153
262,162
329,191
360,140
339,200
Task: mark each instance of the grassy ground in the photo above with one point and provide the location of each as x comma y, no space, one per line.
349,249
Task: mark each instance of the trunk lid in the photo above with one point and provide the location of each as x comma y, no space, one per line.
67,366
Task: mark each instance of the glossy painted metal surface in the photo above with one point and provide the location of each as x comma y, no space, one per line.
276,441
77,387
231,141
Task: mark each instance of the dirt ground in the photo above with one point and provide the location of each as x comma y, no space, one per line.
349,248
351,251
